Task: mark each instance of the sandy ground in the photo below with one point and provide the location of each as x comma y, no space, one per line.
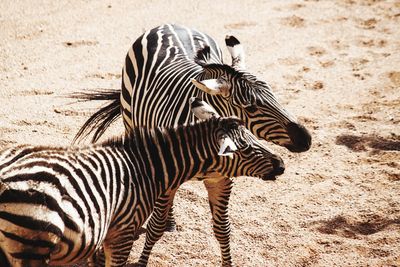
334,64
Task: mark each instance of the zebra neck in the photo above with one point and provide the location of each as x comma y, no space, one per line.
195,151
225,106
175,155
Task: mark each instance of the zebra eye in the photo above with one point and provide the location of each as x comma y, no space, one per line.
245,149
251,108
223,77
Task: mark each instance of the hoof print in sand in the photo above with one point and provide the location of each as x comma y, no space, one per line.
79,43
240,25
293,21
104,76
394,77
316,51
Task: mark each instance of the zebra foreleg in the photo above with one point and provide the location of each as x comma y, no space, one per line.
156,226
219,191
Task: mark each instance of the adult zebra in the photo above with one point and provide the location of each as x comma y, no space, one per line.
59,206
163,69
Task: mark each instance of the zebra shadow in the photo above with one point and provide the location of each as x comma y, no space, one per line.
341,226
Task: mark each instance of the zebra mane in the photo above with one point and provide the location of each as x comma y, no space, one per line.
203,56
243,75
139,132
115,141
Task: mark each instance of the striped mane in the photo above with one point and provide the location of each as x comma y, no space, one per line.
138,132
239,74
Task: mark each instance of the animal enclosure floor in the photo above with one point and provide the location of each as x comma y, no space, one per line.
334,64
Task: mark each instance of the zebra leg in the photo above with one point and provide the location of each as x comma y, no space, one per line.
156,226
171,223
97,259
117,247
219,191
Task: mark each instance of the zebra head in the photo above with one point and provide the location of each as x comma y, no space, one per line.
240,93
249,157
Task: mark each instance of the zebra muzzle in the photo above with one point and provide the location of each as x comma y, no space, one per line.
278,169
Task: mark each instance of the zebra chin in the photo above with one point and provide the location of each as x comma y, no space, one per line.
269,177
272,176
278,169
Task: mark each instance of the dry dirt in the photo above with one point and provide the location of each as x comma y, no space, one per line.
335,64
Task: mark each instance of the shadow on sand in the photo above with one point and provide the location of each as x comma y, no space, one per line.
359,143
341,226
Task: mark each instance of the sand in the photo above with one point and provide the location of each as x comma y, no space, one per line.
334,64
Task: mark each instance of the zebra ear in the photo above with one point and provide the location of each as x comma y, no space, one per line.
201,109
212,86
226,147
235,48
203,56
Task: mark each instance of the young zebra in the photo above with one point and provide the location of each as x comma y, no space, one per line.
60,205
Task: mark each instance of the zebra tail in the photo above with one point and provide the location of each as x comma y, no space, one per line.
101,119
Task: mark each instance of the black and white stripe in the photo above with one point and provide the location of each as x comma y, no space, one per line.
61,205
169,64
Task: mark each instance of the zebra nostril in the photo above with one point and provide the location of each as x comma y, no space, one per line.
279,166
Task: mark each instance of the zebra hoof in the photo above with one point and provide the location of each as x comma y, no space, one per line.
170,225
170,228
